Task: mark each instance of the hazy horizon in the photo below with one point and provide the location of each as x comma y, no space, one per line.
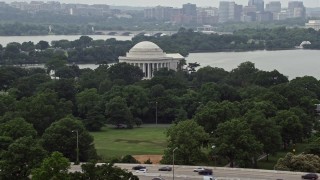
171,3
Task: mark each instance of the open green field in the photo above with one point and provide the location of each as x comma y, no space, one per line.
148,139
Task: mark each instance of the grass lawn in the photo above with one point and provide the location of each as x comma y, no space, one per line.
148,139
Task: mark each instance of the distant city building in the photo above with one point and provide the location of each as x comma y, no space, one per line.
249,14
226,11
149,57
273,6
296,9
313,12
189,12
189,9
264,16
258,3
177,16
207,15
281,15
314,24
158,13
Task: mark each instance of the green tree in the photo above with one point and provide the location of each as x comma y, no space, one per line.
313,147
291,127
17,128
43,109
212,114
235,141
54,167
42,45
130,74
265,130
54,64
61,136
137,100
244,74
301,162
7,102
89,109
189,138
211,74
104,171
22,155
117,112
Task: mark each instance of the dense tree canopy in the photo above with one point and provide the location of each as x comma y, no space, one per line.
188,143
245,112
62,136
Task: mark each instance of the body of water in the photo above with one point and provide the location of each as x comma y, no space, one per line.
291,63
4,40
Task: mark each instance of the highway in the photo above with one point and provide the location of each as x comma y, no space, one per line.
220,173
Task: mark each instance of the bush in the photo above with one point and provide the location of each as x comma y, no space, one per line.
148,161
129,159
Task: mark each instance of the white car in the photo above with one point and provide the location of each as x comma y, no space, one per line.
198,169
141,171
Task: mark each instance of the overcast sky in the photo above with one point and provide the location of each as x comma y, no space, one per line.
172,3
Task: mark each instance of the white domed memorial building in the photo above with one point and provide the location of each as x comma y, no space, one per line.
149,57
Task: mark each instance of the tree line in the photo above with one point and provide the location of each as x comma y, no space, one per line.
87,50
244,113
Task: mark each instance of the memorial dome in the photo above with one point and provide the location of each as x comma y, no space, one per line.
146,49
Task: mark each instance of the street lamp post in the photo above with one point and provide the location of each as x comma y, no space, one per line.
156,112
77,150
215,160
173,162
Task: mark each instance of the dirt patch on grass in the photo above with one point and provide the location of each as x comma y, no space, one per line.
155,159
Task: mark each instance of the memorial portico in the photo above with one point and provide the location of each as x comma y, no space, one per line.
149,57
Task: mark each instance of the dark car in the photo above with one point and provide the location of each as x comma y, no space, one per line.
166,168
158,178
312,176
205,172
138,167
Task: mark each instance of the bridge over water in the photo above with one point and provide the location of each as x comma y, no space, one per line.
134,33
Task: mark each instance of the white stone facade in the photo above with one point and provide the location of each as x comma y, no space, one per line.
149,57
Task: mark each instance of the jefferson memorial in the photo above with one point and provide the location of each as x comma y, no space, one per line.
149,57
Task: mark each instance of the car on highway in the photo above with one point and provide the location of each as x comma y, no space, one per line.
208,178
198,169
312,176
205,172
138,167
141,171
158,178
165,168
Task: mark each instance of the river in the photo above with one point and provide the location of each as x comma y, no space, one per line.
292,63
4,40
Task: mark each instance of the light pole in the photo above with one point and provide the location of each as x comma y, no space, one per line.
215,160
77,150
173,162
156,112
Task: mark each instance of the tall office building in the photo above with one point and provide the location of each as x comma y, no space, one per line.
296,9
226,11
258,3
159,13
274,6
189,9
189,13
